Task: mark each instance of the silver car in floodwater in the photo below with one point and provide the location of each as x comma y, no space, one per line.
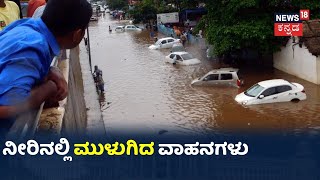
220,77
178,47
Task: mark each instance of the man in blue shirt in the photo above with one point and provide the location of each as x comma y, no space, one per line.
27,48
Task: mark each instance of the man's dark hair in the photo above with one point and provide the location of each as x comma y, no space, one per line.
65,16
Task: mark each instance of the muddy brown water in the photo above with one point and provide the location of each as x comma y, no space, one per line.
144,93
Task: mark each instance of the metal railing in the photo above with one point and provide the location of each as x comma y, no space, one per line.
26,124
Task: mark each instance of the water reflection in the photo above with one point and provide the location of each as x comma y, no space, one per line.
146,93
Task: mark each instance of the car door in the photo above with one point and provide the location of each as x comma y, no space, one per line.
284,93
179,60
163,44
172,58
211,79
226,79
270,96
170,43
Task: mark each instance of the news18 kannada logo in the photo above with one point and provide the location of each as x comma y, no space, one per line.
290,24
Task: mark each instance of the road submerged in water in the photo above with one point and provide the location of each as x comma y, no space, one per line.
145,94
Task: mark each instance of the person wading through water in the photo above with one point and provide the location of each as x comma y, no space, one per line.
97,76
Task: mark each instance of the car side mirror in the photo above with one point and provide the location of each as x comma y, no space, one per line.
261,96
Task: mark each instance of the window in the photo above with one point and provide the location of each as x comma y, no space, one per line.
211,77
164,42
179,57
284,88
172,56
269,92
254,90
226,76
170,40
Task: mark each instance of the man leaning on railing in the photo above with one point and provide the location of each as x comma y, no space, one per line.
27,48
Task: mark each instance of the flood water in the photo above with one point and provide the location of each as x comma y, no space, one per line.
144,93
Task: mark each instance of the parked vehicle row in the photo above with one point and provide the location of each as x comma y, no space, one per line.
269,91
127,28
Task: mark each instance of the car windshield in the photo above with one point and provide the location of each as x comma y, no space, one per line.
293,84
254,90
186,56
158,42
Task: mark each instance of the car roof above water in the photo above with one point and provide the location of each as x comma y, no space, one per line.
224,70
273,82
166,38
180,53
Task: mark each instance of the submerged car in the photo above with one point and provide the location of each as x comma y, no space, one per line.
119,29
132,28
178,47
219,77
94,18
164,43
272,91
183,58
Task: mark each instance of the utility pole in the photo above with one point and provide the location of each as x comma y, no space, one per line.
89,49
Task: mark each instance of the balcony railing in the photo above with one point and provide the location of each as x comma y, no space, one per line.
27,124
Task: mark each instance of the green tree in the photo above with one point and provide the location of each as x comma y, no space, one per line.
233,25
145,11
117,4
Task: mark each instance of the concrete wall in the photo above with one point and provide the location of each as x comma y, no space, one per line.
318,69
83,115
95,125
298,62
75,118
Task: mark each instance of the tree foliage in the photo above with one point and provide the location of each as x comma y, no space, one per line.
117,4
232,25
144,11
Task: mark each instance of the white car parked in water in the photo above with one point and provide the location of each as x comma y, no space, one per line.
119,29
272,91
164,43
132,28
219,77
183,58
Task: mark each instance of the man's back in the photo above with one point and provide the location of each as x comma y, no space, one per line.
26,52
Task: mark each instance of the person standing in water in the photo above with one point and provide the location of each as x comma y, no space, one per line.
97,76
